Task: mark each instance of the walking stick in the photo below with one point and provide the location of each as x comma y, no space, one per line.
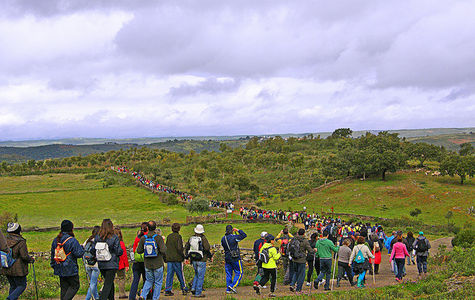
34,278
374,281
334,269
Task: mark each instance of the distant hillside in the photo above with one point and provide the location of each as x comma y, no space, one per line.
449,141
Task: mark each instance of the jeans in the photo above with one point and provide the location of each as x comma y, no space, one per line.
325,271
153,278
198,280
93,275
138,270
298,276
230,268
172,268
69,286
400,267
272,273
108,289
422,264
17,286
315,263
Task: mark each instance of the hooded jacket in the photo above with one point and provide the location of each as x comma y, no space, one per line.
232,240
115,250
19,252
69,267
175,248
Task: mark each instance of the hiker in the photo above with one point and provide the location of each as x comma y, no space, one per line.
123,264
410,241
17,272
313,260
198,251
257,247
108,251
138,267
375,246
285,236
360,255
387,242
154,249
298,248
393,262
398,255
65,250
324,248
90,263
421,245
232,257
175,257
344,254
270,266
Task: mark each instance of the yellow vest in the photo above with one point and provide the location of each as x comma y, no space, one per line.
274,255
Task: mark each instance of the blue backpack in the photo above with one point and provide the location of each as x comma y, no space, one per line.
359,257
150,247
7,259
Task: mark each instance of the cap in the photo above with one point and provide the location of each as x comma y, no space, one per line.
67,226
12,227
421,233
263,234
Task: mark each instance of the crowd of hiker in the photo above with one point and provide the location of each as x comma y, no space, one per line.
355,248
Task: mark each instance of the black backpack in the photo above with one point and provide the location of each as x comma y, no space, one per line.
421,245
294,249
89,254
264,255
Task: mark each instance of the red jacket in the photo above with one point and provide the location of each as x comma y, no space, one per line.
123,260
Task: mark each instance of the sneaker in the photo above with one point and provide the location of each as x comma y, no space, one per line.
315,284
233,290
169,293
321,282
292,288
193,292
257,289
271,295
229,292
308,283
264,286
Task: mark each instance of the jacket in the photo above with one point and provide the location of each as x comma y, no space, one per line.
399,251
364,249
274,255
232,240
304,248
325,248
69,267
153,263
123,259
175,248
410,242
19,252
344,254
414,246
311,255
115,250
257,247
204,243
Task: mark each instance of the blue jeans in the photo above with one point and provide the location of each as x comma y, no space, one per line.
172,268
17,286
199,279
325,271
298,276
422,264
230,267
138,270
153,278
93,274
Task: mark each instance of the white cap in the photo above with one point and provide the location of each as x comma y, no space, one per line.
263,234
12,227
199,229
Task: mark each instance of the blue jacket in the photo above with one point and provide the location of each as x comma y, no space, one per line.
115,250
69,267
387,243
257,245
232,240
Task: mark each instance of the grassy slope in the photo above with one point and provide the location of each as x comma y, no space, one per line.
396,197
449,141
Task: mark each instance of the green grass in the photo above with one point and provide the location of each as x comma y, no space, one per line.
394,198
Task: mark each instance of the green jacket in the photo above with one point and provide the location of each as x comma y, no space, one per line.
325,247
153,263
175,248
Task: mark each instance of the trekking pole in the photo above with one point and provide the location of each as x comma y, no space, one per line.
34,278
334,269
374,281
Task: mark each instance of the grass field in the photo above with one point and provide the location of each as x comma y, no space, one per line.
401,193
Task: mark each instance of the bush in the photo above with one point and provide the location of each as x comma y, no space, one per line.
465,238
198,205
5,218
414,213
169,199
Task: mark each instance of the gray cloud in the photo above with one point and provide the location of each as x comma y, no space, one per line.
210,85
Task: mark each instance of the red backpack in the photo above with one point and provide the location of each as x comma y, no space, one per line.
283,246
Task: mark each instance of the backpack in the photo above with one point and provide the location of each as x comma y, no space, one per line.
150,247
59,253
421,245
264,255
89,256
7,259
102,252
196,248
359,256
283,247
294,249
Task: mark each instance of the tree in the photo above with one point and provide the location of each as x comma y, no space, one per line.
199,205
414,213
422,152
342,133
448,216
462,166
466,149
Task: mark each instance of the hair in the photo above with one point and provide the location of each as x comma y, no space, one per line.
410,234
61,234
152,225
314,236
360,240
285,230
118,232
399,239
95,231
176,227
301,231
346,242
143,229
107,229
326,232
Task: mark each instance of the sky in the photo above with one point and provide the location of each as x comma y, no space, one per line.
118,69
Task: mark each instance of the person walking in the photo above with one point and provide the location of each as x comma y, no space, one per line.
361,255
257,247
138,266
421,245
312,259
154,249
175,256
92,268
284,237
198,251
324,248
398,255
232,257
65,250
344,254
298,249
108,251
410,241
375,246
16,273
270,267
123,264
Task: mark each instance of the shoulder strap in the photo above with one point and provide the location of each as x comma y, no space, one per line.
62,244
225,238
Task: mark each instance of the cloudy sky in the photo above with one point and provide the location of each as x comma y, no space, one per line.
117,68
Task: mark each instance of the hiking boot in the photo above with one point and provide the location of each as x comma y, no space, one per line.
322,282
315,284
193,292
327,289
257,289
292,288
169,293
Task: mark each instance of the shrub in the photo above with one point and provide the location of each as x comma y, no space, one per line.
414,213
198,205
5,218
464,238
169,199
